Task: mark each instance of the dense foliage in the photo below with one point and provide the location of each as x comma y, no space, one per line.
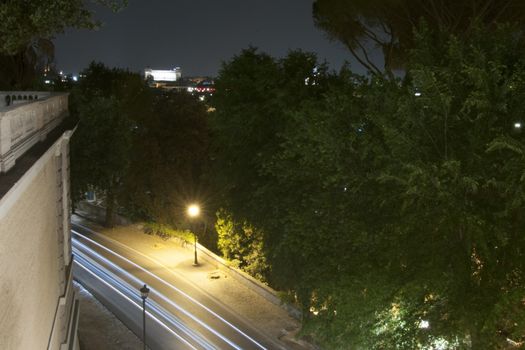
27,28
392,210
365,26
168,158
140,150
107,103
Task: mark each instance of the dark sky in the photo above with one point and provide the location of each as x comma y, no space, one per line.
196,35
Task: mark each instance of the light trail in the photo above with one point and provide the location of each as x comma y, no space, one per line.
163,281
137,306
195,336
175,305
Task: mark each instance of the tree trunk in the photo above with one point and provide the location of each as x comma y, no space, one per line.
475,338
110,209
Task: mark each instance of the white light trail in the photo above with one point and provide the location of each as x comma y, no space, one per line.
260,346
178,307
137,306
198,338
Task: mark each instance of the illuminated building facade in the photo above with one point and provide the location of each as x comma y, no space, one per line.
159,75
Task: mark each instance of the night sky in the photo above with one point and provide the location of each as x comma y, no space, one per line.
196,35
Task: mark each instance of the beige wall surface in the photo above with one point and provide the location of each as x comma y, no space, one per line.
29,262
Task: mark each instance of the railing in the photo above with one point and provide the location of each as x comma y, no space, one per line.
23,125
8,98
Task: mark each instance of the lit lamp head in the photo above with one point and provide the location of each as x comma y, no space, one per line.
193,210
144,292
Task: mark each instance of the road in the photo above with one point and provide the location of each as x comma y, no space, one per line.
180,315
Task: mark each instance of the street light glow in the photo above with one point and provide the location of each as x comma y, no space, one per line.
193,210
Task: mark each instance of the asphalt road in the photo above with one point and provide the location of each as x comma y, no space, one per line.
180,315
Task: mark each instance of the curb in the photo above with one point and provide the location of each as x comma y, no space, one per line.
242,277
248,281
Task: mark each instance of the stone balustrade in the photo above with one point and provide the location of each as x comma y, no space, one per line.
24,124
8,98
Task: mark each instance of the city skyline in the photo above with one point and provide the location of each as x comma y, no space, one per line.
182,34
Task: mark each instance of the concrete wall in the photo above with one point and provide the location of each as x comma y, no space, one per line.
23,125
17,97
38,309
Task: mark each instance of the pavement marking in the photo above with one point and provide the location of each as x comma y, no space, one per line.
165,282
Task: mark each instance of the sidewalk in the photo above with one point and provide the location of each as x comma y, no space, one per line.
99,329
270,318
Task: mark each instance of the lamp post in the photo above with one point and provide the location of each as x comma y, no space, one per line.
194,211
144,292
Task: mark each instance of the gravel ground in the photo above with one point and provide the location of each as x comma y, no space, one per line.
99,329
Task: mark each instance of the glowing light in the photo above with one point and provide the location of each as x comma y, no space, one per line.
517,125
163,282
193,210
424,324
163,75
417,94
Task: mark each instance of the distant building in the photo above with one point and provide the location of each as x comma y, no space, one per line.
163,76
39,306
205,87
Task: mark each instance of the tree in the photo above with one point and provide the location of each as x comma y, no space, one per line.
107,103
254,93
169,155
100,151
389,25
442,252
391,209
27,28
242,244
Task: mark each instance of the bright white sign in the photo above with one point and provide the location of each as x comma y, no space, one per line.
163,75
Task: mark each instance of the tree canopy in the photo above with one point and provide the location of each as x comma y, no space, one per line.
24,21
390,209
144,151
169,156
106,103
26,31
365,26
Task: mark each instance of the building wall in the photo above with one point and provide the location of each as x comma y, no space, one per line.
38,299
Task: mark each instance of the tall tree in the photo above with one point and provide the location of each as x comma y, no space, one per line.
100,151
365,26
170,150
108,103
392,209
27,28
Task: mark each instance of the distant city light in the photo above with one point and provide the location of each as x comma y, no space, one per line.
75,78
47,81
517,125
417,94
163,75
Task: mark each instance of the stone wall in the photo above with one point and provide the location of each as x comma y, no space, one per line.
39,310
8,98
23,125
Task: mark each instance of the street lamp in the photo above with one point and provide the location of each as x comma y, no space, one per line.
144,292
193,211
